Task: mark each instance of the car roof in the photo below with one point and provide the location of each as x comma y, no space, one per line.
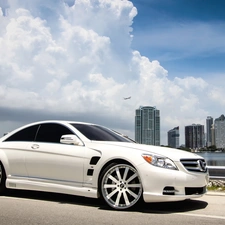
63,122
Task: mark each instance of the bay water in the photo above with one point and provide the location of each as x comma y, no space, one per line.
213,158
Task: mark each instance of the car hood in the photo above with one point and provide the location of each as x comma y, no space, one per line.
174,154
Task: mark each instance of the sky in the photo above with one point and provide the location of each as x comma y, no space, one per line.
78,60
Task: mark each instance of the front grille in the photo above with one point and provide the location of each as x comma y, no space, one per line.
195,190
194,165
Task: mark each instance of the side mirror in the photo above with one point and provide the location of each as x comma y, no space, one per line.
70,139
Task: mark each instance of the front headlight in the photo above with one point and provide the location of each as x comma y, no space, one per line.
160,161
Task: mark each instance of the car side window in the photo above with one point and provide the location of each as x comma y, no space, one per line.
51,132
26,134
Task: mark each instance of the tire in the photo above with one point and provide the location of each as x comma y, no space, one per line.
120,186
2,179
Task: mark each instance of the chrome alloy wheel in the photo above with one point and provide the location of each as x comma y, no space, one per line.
121,186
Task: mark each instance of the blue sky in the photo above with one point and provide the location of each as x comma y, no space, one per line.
77,60
186,36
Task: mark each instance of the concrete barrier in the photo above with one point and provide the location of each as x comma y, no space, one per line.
216,172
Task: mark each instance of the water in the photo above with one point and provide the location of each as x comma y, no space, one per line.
213,158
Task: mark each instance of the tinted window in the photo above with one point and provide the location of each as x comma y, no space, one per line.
51,132
27,134
98,133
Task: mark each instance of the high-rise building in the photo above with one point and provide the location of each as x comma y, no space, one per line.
173,137
219,126
209,123
213,135
194,136
147,125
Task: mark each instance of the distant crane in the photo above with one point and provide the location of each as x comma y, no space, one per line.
127,98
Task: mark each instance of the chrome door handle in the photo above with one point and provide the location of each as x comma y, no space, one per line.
35,146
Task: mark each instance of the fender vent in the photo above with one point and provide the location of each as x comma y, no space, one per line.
94,160
90,172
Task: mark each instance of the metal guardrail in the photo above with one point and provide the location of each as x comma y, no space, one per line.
216,172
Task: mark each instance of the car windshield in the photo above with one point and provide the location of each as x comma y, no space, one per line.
98,133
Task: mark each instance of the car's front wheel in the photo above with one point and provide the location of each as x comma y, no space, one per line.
121,186
2,179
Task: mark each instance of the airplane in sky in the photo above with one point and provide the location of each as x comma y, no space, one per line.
127,98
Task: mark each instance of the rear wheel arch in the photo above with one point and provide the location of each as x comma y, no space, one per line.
2,178
4,161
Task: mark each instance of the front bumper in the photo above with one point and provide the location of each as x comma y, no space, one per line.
165,185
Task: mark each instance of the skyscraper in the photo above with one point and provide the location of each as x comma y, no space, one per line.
213,135
219,127
173,137
194,136
147,125
209,123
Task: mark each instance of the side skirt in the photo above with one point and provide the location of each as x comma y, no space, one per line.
24,184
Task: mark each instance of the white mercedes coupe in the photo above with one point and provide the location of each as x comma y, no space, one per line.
89,160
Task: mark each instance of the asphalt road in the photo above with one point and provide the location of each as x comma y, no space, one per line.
23,207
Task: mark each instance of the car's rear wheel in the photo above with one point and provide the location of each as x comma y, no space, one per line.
121,186
2,179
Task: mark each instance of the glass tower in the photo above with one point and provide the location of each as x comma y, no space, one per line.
209,123
173,137
147,125
219,127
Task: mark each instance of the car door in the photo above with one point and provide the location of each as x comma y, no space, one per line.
53,162
15,149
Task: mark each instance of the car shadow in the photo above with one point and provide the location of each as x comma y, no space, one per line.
154,208
173,207
53,197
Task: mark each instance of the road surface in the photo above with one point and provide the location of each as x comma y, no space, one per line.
25,207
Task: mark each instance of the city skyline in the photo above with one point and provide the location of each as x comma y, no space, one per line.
196,135
213,133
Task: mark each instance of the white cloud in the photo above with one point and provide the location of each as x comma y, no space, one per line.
216,95
191,82
80,65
